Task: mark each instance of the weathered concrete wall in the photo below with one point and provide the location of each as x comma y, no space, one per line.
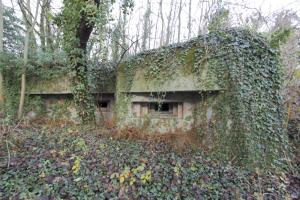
58,86
61,107
56,95
214,120
207,113
104,107
174,71
63,85
180,119
55,107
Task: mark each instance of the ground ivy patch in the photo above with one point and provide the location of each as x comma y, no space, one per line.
83,164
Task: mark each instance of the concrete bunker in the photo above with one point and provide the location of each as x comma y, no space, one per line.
225,85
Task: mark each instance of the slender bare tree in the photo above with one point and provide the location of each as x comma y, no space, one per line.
48,30
169,20
162,24
1,50
190,20
179,21
173,28
137,44
30,21
156,29
146,26
42,25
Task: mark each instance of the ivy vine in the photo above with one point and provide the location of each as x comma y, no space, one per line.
246,66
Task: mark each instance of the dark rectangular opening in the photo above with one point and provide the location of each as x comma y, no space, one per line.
102,104
160,107
157,109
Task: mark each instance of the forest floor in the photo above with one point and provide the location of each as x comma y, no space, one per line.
68,162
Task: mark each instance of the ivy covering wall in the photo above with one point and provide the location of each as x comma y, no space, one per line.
247,124
238,75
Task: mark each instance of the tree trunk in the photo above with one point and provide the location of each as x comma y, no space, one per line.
23,76
29,29
190,20
162,24
82,92
48,33
1,50
201,26
146,26
42,26
124,22
156,27
179,21
115,42
173,24
137,44
169,18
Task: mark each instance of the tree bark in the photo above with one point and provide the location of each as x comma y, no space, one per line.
173,24
1,50
42,26
162,24
137,44
48,33
201,26
156,27
169,18
190,20
146,26
29,29
179,21
23,76
124,22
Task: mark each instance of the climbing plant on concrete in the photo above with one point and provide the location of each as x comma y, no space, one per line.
78,20
255,79
249,123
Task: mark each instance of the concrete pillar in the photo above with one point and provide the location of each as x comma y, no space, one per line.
180,110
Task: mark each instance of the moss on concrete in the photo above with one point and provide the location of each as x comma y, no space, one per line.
242,66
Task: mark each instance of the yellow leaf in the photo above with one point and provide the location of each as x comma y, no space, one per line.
103,146
62,152
141,167
146,177
122,179
42,175
77,179
149,173
259,196
132,181
177,170
193,168
114,175
76,166
135,170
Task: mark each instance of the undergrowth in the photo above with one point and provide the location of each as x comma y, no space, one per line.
71,162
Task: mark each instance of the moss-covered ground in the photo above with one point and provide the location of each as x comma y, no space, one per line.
67,162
